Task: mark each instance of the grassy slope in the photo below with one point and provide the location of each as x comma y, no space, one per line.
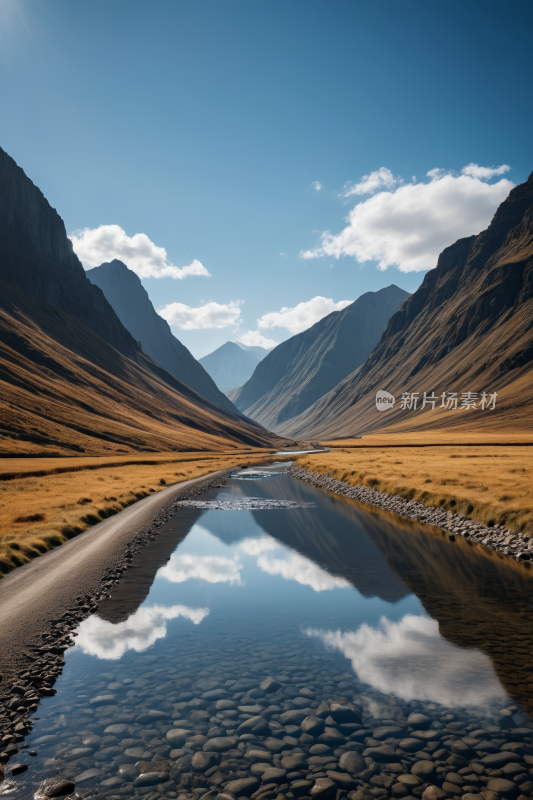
40,511
492,484
63,389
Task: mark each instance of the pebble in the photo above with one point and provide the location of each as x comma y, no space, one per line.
381,754
410,745
352,762
323,787
242,786
497,760
503,787
148,779
60,789
419,721
423,769
18,769
221,743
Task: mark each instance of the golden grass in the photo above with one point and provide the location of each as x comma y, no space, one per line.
489,484
437,436
44,510
64,391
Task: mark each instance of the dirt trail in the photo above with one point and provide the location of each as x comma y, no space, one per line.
36,594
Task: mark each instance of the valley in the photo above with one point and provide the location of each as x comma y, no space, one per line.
266,401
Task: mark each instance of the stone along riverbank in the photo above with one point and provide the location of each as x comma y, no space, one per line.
500,539
197,727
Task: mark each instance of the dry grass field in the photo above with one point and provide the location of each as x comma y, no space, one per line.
45,501
490,483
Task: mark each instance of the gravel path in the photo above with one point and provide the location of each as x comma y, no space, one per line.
37,596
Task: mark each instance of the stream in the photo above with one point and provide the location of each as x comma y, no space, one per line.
277,641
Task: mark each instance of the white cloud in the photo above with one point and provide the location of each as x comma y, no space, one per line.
104,639
485,173
256,339
294,567
94,246
409,226
410,659
212,569
301,316
438,172
317,185
381,178
210,315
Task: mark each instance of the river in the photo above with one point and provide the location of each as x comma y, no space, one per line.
276,636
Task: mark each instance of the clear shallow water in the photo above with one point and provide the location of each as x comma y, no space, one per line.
274,578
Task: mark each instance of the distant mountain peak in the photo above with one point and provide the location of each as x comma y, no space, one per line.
231,364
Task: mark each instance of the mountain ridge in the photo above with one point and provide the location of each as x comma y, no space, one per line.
37,256
303,368
129,299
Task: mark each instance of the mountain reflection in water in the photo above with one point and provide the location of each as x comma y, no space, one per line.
477,638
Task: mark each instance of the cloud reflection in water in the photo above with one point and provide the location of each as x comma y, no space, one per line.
213,569
410,659
254,547
295,567
104,639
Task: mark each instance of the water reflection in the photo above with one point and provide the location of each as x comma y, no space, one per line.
213,569
107,640
294,567
400,571
479,599
411,660
333,598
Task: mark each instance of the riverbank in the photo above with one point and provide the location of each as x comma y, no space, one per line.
501,539
41,602
44,502
487,483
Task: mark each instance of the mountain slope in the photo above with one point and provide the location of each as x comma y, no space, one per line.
231,365
37,257
71,376
305,367
468,328
129,299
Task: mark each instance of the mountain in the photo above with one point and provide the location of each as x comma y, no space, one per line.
300,370
129,299
232,364
37,257
72,378
468,328
260,352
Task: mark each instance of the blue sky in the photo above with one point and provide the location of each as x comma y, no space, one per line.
204,125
